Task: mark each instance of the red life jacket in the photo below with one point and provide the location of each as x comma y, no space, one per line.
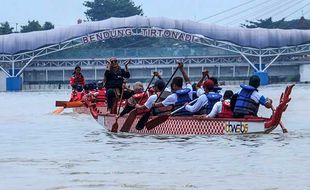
141,98
151,91
226,111
77,79
76,96
101,98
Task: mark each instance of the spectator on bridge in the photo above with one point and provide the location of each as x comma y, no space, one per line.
77,78
248,99
114,78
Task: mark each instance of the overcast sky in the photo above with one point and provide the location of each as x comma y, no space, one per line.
66,12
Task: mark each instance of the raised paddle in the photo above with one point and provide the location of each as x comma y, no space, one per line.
162,118
284,129
115,125
133,114
146,116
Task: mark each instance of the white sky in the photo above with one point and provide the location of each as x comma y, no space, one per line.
66,12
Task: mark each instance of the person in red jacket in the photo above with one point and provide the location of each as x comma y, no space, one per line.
222,108
101,95
77,78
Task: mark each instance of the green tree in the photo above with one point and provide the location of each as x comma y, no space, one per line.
104,9
48,26
5,28
301,23
32,26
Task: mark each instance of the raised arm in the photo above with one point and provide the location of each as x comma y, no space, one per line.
156,74
205,74
184,74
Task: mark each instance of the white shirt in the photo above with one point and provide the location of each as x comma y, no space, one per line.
217,108
150,101
173,98
200,91
202,101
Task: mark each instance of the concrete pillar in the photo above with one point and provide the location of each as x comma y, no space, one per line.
14,83
2,81
304,71
264,80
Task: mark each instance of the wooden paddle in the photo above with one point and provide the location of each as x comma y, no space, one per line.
146,116
133,114
162,118
115,125
58,110
68,104
284,129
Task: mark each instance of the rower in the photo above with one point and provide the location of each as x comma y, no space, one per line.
222,108
139,97
100,95
158,88
248,99
180,95
205,102
77,93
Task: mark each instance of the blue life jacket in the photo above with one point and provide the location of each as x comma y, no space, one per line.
183,97
244,104
212,99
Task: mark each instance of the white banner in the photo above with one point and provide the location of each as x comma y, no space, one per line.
146,32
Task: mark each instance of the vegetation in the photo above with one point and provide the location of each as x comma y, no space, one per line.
5,28
35,26
301,23
104,9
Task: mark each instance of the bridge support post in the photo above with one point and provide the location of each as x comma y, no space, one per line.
263,76
304,73
14,83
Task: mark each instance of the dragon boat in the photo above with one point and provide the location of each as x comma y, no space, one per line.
197,125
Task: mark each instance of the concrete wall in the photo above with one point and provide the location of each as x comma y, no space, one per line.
2,81
304,73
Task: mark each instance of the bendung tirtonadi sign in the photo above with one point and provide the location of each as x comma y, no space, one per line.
146,32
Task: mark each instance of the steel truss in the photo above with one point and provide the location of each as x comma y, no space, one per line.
251,55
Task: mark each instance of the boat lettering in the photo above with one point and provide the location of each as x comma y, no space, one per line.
236,127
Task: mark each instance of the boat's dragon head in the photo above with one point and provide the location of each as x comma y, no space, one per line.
275,119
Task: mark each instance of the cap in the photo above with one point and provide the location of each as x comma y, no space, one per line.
208,84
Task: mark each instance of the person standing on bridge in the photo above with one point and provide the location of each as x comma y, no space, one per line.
114,78
77,78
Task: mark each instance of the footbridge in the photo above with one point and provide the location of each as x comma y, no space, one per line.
260,48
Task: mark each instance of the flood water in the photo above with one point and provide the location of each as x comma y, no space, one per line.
40,151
